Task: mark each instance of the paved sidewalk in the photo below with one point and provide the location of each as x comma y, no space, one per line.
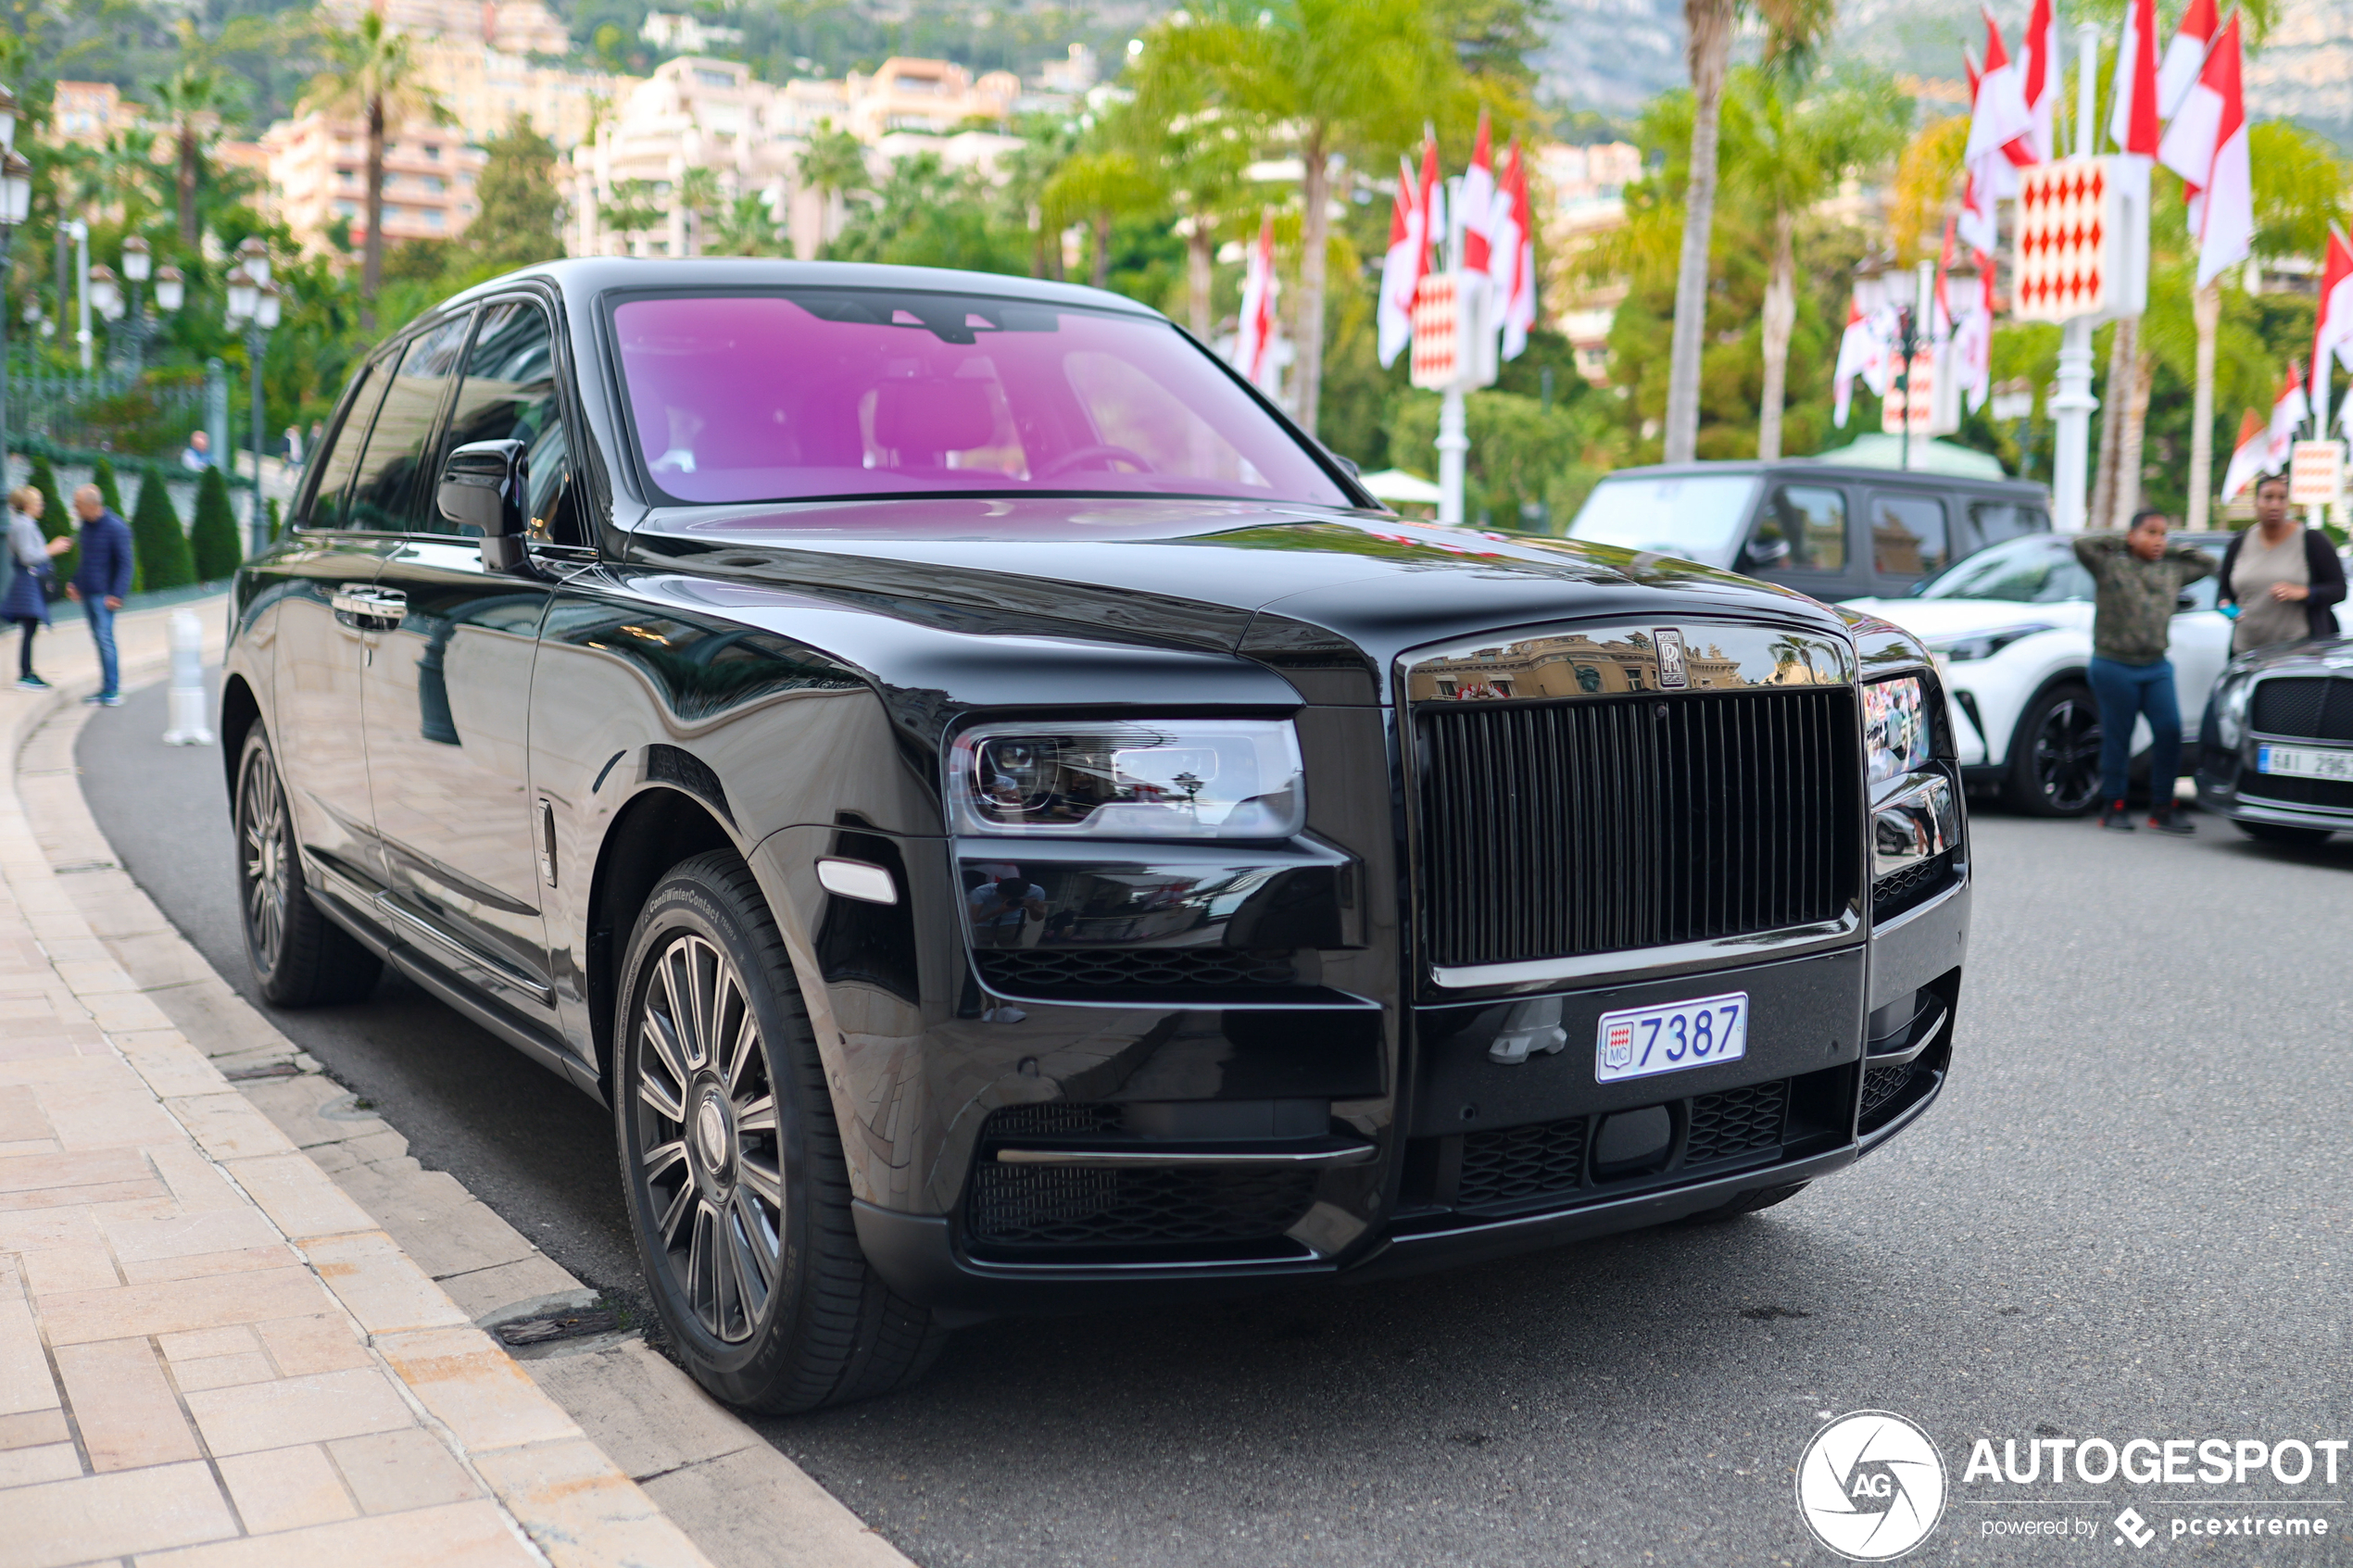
210,1354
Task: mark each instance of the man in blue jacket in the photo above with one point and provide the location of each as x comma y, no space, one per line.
102,583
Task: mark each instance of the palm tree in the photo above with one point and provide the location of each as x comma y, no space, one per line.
1791,26
743,227
371,76
1099,187
833,165
1789,149
633,207
696,194
1202,148
194,99
1354,78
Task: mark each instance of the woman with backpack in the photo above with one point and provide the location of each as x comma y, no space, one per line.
33,582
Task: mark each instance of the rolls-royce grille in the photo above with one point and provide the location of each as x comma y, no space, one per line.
1552,830
2312,706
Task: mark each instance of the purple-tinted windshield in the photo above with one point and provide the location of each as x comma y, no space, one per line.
853,391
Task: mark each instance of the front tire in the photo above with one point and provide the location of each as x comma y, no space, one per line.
732,1163
2055,755
300,957
2283,834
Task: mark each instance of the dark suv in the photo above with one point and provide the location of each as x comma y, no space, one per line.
1007,824
1824,528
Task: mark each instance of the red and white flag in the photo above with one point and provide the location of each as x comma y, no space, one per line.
2185,57
1862,351
2132,124
2249,458
2207,146
1431,199
1981,190
1259,289
2289,410
1514,268
1477,198
1999,121
2041,79
2332,329
1400,270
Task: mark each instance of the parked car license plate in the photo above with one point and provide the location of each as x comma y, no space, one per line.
2304,762
1643,1041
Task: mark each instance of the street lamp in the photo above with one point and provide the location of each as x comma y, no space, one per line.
170,290
138,265
254,304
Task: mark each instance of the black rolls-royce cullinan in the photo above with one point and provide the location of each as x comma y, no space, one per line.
1009,824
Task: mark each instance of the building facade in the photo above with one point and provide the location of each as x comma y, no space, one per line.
318,173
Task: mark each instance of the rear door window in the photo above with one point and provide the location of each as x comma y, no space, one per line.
388,493
1908,538
1801,529
336,464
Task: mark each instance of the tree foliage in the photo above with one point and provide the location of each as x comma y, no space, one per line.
521,212
213,539
159,544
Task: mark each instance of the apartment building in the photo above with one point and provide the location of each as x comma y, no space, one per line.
88,114
318,173
693,112
934,98
486,88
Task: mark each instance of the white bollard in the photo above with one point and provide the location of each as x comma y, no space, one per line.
188,727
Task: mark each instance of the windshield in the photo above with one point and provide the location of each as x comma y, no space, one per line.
813,392
1695,516
2038,569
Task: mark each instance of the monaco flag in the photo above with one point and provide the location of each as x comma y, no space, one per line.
1515,263
1259,289
2132,124
1999,121
2248,458
1477,198
2207,146
1862,351
2288,413
2332,330
2041,79
1400,270
2183,56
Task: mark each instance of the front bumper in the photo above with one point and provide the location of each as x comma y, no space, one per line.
1395,1213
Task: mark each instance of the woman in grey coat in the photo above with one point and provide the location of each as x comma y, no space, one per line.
29,558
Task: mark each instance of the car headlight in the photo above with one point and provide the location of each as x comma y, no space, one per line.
1896,740
1178,778
2230,714
1985,644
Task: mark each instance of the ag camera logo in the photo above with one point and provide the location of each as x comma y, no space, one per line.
1870,1485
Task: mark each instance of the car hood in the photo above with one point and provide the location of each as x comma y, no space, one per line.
1299,587
1941,620
2328,656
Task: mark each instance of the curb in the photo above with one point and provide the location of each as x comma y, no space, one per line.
627,1459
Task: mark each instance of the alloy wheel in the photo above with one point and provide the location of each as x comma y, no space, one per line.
261,844
2066,755
712,1157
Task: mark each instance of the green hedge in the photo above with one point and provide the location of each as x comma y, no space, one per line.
213,538
158,544
56,522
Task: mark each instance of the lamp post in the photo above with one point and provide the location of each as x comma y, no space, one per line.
138,266
16,201
106,303
253,306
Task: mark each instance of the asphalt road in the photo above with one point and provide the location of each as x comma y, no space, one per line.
2126,1218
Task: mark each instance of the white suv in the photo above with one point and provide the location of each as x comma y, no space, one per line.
2011,629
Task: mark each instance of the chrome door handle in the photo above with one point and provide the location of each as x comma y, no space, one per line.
369,609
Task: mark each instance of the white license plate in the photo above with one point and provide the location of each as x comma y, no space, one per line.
1643,1041
2304,762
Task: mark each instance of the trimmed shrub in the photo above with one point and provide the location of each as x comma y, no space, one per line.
157,543
56,519
213,539
103,477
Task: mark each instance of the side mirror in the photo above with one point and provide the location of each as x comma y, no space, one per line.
482,493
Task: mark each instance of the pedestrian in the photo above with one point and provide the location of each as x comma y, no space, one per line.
100,586
2137,578
2279,578
32,580
294,447
196,456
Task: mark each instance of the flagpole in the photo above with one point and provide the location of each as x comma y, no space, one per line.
1453,437
2073,406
